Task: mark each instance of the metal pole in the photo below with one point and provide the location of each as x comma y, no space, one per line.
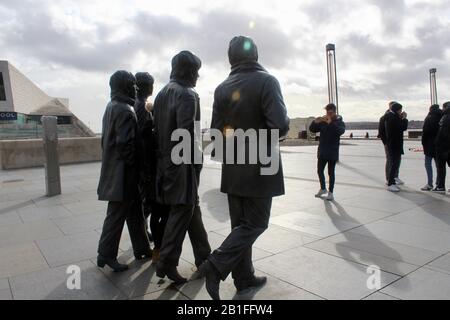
52,173
335,82
332,75
433,87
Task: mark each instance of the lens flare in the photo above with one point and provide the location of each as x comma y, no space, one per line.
251,24
247,45
228,131
236,96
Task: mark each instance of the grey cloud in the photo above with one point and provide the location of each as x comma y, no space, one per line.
33,33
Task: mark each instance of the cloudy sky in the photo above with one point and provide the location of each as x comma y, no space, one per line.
384,48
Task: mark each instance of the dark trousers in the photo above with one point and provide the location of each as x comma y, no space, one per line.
321,163
249,219
389,163
116,215
395,159
442,158
182,219
158,221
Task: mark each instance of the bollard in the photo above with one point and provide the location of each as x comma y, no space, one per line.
50,137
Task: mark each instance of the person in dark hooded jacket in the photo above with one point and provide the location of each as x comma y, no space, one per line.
396,123
119,175
249,99
429,133
443,148
176,108
383,138
331,128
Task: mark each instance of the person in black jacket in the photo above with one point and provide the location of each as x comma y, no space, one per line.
331,128
177,106
396,123
382,136
119,175
429,133
443,148
159,212
249,99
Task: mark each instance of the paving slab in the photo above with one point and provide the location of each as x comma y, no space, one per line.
51,284
9,218
21,258
384,248
441,264
406,234
274,290
80,223
278,239
27,232
380,296
324,275
386,264
5,291
423,284
141,277
314,224
69,249
33,213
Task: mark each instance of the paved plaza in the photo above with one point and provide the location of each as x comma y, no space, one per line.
313,249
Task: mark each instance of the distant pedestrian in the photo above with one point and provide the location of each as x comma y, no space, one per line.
443,148
429,133
331,128
351,135
382,137
396,123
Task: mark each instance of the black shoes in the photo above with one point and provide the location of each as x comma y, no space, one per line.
439,190
112,263
144,256
212,278
255,283
171,273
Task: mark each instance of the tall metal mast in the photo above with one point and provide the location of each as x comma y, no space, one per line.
433,87
332,75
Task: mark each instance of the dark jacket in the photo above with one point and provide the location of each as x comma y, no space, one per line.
330,137
119,172
443,136
147,148
177,106
250,98
395,127
382,129
430,131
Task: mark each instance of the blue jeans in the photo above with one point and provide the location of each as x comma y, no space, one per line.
429,168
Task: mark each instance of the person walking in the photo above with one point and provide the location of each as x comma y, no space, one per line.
443,148
249,99
429,133
177,108
119,177
331,127
396,123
